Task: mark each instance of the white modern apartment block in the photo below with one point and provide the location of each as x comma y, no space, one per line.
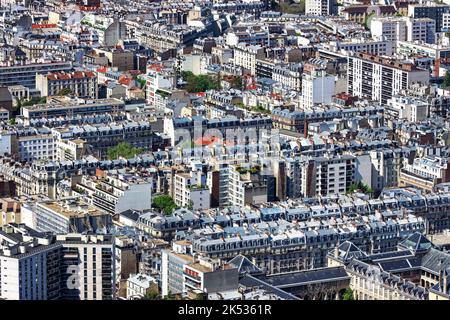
375,47
388,28
246,56
70,267
403,29
320,7
317,88
172,267
379,78
189,190
155,80
115,194
90,261
37,147
5,142
409,108
25,273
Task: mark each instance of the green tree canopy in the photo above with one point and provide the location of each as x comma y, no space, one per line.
152,294
364,188
164,203
348,294
446,82
123,149
199,83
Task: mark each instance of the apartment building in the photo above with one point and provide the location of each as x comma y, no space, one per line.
424,173
97,138
177,128
403,29
190,190
375,47
81,84
25,74
90,264
205,275
69,150
277,251
36,266
117,193
324,176
70,215
380,78
155,80
246,186
246,55
408,108
182,273
36,147
317,88
432,11
290,76
392,275
321,7
68,107
139,284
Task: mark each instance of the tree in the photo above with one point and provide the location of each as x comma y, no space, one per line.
237,83
348,294
164,203
359,186
64,92
200,83
123,149
446,82
152,294
12,121
291,7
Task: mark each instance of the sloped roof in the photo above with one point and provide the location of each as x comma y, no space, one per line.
416,242
244,265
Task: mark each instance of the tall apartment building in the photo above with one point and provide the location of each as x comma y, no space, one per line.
317,88
324,176
190,190
380,78
290,76
217,180
321,7
155,81
403,29
409,108
117,193
36,266
65,216
246,56
91,266
182,273
246,186
25,74
429,10
81,84
36,147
